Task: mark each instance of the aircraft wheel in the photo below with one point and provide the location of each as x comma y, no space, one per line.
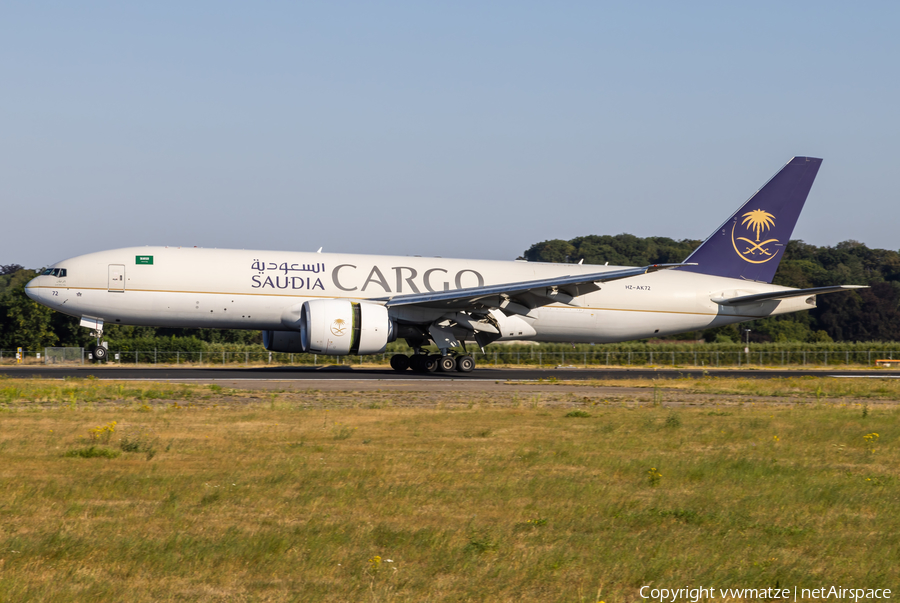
447,364
430,363
417,363
400,362
465,364
100,353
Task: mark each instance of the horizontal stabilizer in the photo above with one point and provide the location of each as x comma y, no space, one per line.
761,297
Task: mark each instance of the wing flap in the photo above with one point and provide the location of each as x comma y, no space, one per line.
551,289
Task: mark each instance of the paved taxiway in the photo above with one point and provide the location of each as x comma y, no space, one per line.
281,373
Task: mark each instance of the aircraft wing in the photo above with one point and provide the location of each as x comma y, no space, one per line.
554,290
760,297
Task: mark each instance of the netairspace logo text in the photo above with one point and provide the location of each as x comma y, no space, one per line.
694,595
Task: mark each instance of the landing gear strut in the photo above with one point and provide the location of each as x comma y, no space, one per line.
99,351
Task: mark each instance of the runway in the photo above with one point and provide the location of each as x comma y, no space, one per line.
344,373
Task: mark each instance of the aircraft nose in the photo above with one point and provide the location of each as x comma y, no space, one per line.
32,291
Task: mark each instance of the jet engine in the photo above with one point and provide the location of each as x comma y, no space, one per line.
333,326
340,327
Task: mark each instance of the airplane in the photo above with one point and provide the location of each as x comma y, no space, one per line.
342,304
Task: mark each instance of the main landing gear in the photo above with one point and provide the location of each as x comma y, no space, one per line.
431,363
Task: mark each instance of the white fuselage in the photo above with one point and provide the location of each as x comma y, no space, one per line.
238,289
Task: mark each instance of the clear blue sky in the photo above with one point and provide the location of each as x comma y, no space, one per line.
453,129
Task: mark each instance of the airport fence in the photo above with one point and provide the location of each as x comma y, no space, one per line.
710,355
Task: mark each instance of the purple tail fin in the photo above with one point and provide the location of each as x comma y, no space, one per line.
750,244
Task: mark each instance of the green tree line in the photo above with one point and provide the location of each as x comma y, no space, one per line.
864,315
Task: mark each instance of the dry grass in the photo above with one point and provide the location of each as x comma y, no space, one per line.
338,496
820,388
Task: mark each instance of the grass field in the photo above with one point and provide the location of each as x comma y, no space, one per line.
124,492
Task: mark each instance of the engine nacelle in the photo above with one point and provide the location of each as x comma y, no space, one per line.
282,341
340,327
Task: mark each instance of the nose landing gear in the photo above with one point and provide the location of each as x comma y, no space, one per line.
99,351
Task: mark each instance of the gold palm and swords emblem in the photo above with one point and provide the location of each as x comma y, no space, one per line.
758,221
338,327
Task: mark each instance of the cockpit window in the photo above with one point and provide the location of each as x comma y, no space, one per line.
57,272
47,272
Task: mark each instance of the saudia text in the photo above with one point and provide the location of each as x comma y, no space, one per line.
349,277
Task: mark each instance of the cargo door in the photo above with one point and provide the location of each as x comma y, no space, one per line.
116,277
